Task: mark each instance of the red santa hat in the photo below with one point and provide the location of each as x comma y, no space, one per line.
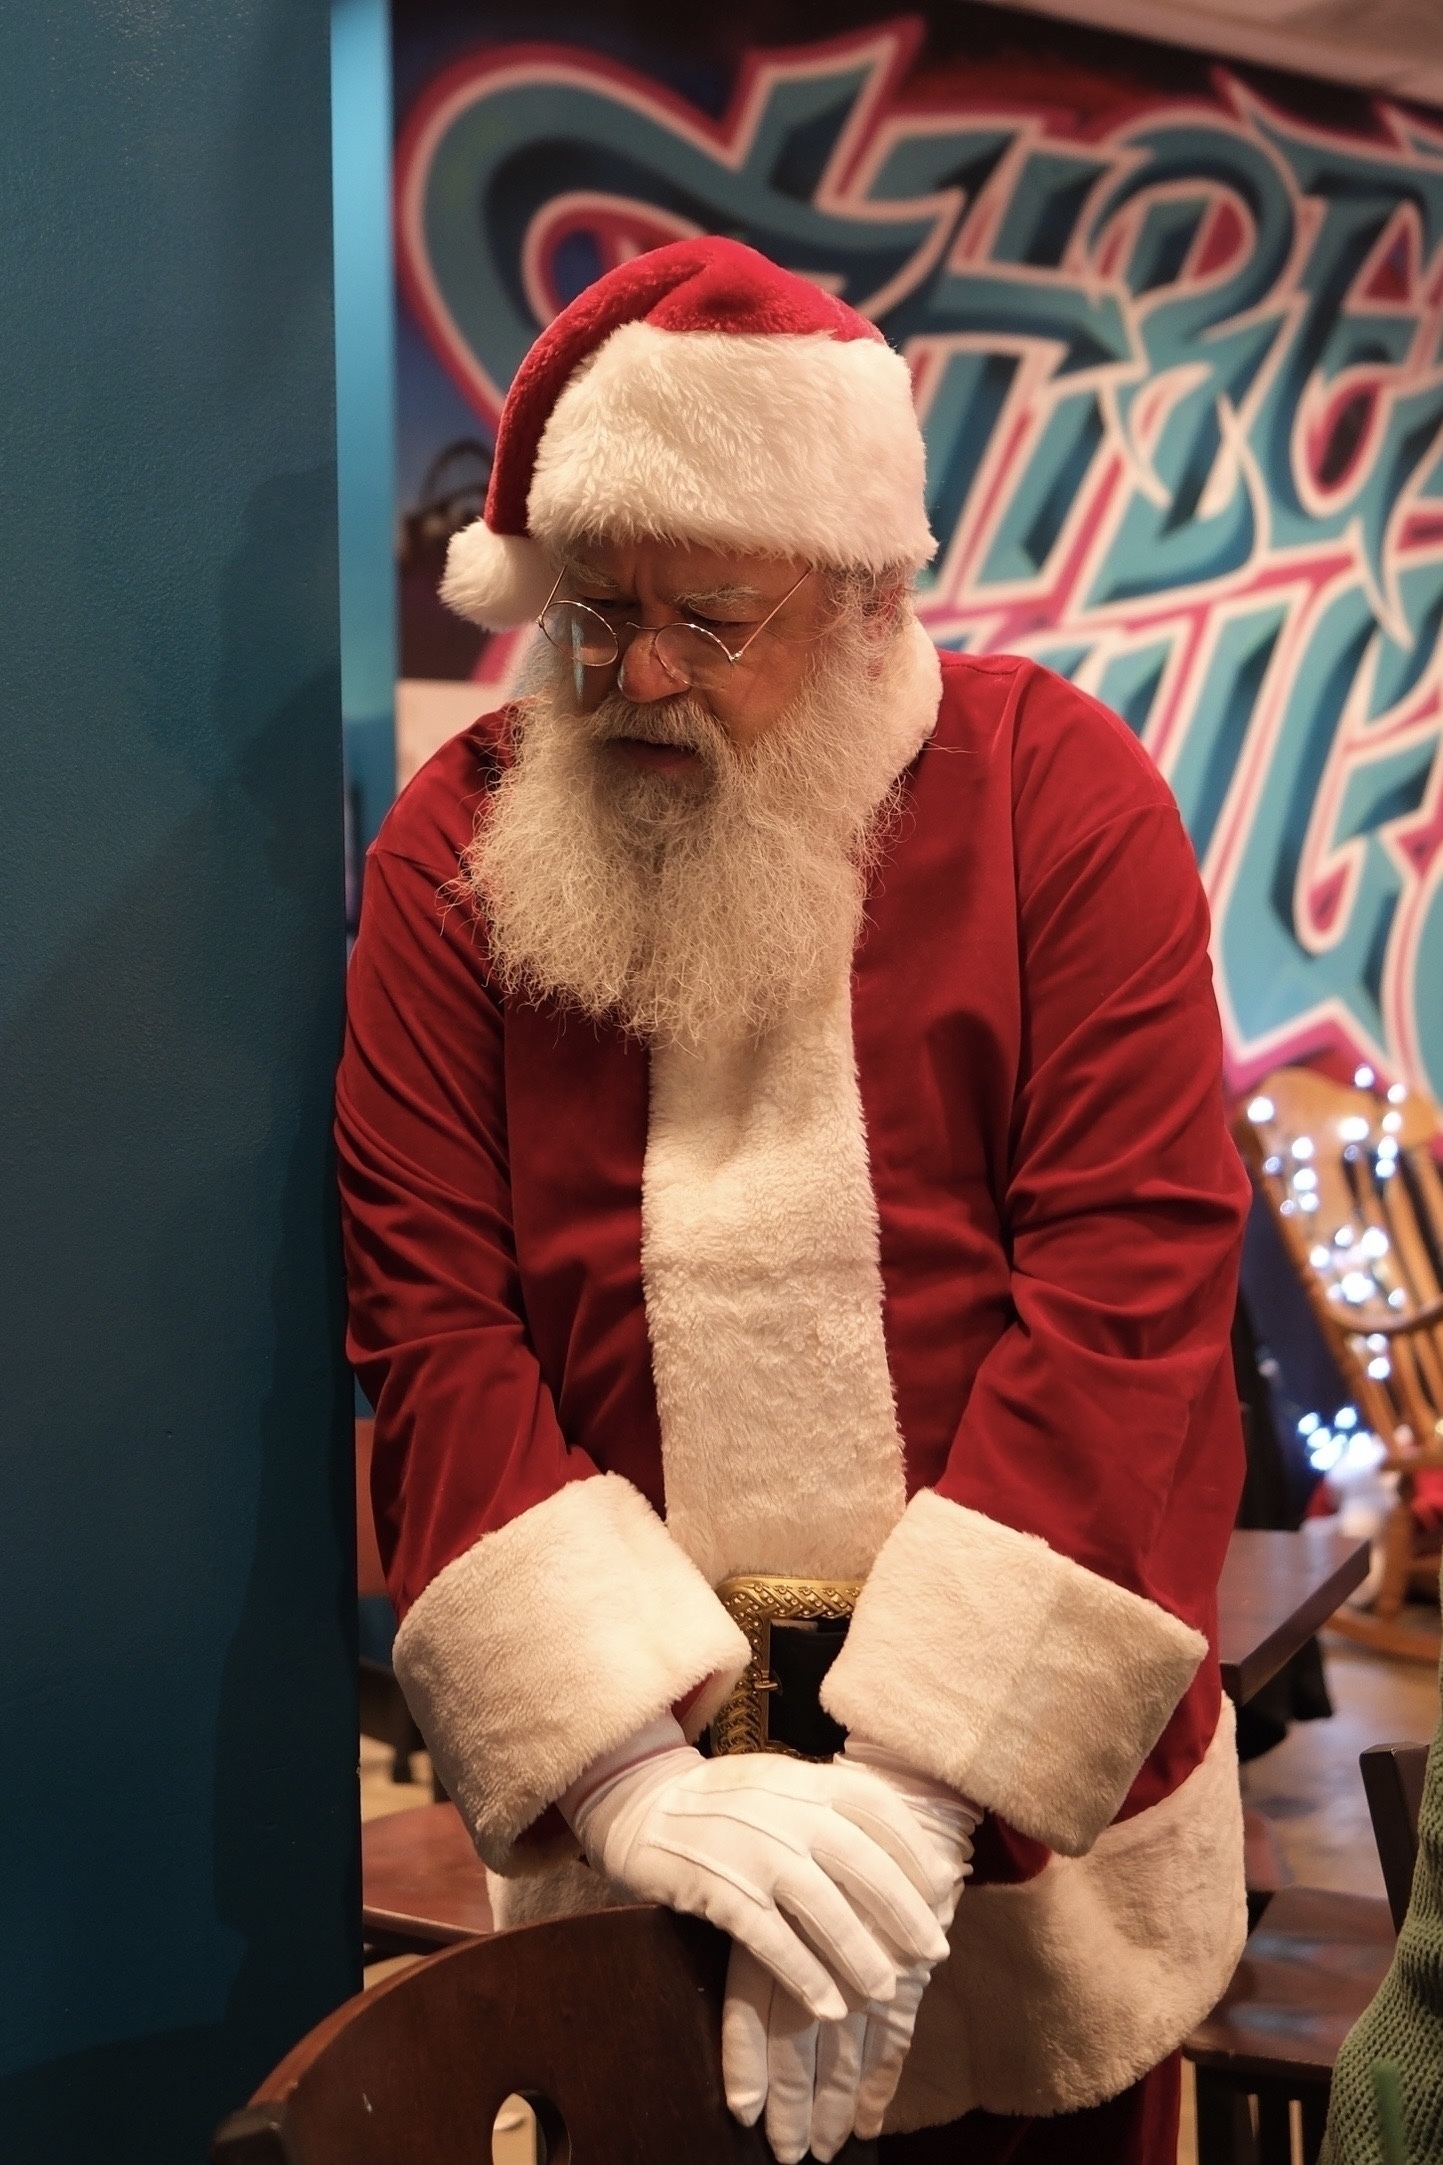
698,393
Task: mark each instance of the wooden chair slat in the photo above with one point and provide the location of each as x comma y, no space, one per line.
1427,1347
1400,1218
1428,1184
1409,1393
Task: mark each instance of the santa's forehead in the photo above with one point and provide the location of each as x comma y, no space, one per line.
677,569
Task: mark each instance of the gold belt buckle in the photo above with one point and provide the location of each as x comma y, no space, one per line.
756,1602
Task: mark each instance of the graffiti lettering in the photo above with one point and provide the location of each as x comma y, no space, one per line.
1182,391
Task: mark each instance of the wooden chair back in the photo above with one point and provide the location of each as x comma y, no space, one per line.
1393,1783
1268,2047
1308,1972
1353,1184
609,2025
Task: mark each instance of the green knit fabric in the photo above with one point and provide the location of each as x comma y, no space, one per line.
1404,2020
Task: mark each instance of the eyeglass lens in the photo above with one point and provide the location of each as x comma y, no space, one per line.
580,634
685,651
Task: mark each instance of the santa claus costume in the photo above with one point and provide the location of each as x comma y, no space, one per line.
928,1287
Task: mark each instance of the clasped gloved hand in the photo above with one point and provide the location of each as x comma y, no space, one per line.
814,1870
823,2081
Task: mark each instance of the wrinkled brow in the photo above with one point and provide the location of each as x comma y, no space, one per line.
711,600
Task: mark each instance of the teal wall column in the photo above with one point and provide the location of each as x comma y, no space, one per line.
178,1837
365,401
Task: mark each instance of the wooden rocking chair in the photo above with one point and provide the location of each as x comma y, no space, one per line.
1352,1182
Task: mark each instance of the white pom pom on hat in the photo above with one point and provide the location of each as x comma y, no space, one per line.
496,579
698,393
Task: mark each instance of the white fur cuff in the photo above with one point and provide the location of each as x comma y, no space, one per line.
1030,1684
1063,1990
549,1643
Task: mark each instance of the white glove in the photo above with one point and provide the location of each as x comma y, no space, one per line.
822,2082
759,1845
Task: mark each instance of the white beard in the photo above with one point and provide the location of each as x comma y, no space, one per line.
702,907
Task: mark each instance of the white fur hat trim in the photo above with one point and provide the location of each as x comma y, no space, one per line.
768,446
786,446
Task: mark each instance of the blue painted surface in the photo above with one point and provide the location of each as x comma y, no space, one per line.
365,399
178,1837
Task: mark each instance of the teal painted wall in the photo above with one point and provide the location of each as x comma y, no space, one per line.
178,1838
365,400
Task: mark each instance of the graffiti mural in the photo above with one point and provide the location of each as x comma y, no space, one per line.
1181,380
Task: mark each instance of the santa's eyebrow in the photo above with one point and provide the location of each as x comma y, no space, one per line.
712,600
716,598
576,567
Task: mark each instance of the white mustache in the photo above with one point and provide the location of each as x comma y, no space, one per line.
673,722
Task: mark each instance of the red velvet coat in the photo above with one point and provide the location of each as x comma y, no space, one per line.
1059,1211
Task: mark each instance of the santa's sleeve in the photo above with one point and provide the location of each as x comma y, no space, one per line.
1019,1635
546,1612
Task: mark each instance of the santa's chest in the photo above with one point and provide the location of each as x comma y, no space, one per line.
813,1226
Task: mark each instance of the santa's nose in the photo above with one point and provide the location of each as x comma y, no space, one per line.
643,677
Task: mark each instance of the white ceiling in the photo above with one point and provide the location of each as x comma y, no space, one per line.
1392,45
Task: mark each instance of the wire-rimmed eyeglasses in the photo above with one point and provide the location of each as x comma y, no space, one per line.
688,652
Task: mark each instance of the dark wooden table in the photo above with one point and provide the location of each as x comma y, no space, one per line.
1275,1592
423,1885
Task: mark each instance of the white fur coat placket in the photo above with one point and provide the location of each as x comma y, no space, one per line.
762,1275
764,1302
